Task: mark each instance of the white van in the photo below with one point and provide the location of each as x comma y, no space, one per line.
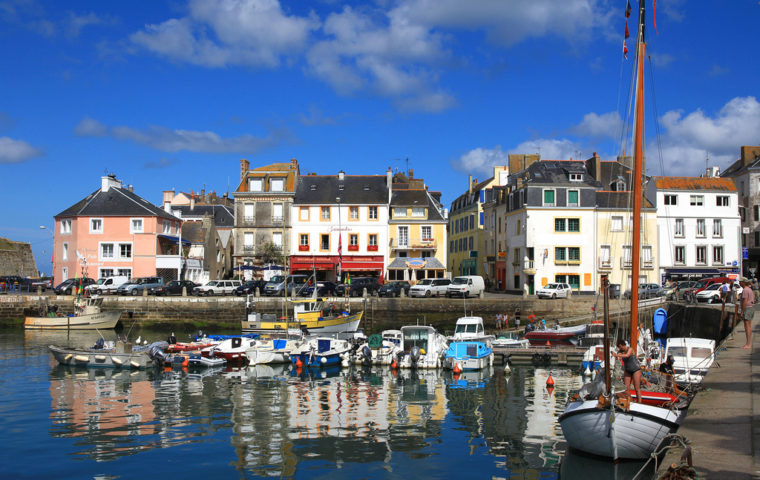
466,286
107,285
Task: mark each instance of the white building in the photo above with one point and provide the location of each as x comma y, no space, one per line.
698,226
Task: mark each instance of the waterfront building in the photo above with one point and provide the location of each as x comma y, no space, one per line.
417,230
113,231
699,228
495,212
340,225
207,223
746,175
263,202
466,219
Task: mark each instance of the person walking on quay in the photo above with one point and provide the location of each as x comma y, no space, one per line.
505,320
724,289
748,309
498,321
517,318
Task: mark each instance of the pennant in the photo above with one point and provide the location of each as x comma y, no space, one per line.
625,50
654,15
340,246
627,9
626,30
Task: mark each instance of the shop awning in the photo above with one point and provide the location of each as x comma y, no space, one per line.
692,270
174,240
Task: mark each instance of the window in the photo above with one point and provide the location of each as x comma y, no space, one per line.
125,250
426,232
403,236
700,227
679,255
136,225
248,239
560,254
353,240
303,240
574,254
277,239
518,226
324,242
701,255
372,213
276,212
106,250
696,200
560,225
96,225
604,256
353,213
276,184
627,255
678,227
575,177
325,213
572,198
646,255
303,214
418,212
671,200
399,212
718,255
248,212
721,201
755,212
65,226
618,186
105,273
65,252
255,185
717,228
516,256
124,272
167,227
573,224
472,222
471,247
372,241
617,224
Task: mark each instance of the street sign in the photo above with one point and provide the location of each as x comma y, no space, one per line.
745,253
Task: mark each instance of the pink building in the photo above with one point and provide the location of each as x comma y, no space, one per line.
112,231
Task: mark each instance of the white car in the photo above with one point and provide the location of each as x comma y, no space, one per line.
217,287
711,294
554,290
430,287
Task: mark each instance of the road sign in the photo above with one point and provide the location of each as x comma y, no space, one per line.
745,253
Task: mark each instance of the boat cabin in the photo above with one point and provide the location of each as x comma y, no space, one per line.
468,328
417,336
692,358
393,336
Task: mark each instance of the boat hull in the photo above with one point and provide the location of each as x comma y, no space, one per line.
100,358
312,323
631,435
102,320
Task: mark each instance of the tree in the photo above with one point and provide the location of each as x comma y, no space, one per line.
271,254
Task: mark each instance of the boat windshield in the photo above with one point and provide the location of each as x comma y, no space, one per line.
677,351
415,338
700,352
466,328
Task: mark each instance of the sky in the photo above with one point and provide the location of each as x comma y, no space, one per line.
172,94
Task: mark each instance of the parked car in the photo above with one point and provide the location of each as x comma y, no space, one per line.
554,290
43,283
702,284
174,288
430,287
680,287
357,286
324,289
394,289
280,285
68,286
711,294
466,286
136,286
217,287
646,290
107,284
249,287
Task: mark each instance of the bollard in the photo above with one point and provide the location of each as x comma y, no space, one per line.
364,292
184,291
145,292
257,294
402,293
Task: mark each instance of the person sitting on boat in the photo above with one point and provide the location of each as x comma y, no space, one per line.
631,368
172,339
666,368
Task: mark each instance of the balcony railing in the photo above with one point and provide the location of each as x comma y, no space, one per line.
626,263
276,220
249,248
605,263
647,263
247,220
303,248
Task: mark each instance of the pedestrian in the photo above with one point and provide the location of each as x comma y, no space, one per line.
505,320
724,289
517,318
498,321
748,309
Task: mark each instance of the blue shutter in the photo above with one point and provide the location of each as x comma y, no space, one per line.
482,196
482,216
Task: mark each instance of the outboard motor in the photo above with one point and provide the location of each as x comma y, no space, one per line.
99,344
156,354
366,356
414,355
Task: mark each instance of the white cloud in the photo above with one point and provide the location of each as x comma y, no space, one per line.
595,125
482,160
17,151
175,140
75,23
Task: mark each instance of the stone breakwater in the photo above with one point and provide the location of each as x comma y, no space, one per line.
227,312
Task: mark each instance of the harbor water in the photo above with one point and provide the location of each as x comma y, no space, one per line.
274,421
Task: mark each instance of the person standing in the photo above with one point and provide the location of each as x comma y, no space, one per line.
724,289
498,321
517,318
748,309
631,368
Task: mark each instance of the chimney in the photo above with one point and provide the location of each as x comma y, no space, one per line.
192,202
109,181
341,175
469,184
244,167
131,188
749,155
203,194
293,164
411,173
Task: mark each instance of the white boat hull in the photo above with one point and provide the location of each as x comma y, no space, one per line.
100,358
101,320
630,435
472,363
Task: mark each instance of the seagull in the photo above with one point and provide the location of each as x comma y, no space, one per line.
138,340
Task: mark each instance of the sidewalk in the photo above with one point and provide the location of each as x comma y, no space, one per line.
722,423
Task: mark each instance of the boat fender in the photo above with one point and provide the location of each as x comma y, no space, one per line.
68,357
186,362
134,364
323,360
507,369
82,358
394,364
100,358
457,369
116,361
550,381
587,372
299,363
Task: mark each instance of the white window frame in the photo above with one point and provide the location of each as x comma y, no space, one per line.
277,239
678,228
543,197
717,230
418,212
275,217
66,227
405,229
93,226
696,200
676,260
353,213
370,215
131,251
670,199
65,252
423,237
303,213
277,185
126,272
722,201
249,212
575,177
246,237
613,221
697,249
718,257
102,250
399,212
255,185
573,204
700,229
166,227
132,228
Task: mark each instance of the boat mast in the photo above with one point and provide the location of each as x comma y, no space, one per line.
638,158
606,317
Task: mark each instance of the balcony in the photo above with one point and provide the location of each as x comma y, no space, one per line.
249,248
303,248
648,264
371,248
353,248
276,220
605,264
626,263
529,266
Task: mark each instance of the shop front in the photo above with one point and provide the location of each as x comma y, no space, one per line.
414,269
326,266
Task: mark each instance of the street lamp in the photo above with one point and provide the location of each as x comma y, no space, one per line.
340,244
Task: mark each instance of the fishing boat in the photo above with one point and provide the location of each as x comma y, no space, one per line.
510,340
231,349
555,335
380,349
597,421
471,328
321,352
110,355
314,315
423,347
274,349
692,358
467,355
88,315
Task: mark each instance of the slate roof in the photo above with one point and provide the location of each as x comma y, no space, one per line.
416,198
556,172
695,183
223,216
116,202
618,200
431,263
356,190
193,232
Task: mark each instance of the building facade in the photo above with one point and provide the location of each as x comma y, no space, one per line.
746,175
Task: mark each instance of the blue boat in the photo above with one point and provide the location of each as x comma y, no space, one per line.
320,352
468,355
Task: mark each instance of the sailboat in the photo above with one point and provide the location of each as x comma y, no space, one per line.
597,421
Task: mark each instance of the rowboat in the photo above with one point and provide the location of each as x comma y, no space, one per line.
87,316
104,357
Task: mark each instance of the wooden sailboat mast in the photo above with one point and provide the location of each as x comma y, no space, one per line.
638,160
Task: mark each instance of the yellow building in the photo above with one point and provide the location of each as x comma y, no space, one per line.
417,231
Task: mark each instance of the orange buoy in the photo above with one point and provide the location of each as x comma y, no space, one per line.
394,365
186,362
167,369
549,390
548,343
457,369
299,363
550,381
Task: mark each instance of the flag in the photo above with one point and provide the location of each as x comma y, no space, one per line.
340,247
627,9
625,50
626,30
654,15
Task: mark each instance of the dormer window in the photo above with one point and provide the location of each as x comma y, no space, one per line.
575,177
277,185
418,212
255,185
366,188
618,186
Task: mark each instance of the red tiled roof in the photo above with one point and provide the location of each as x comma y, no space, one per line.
694,183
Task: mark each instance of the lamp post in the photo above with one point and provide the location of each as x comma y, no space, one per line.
340,244
52,234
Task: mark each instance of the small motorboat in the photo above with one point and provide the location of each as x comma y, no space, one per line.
231,349
692,357
273,350
471,328
110,355
379,349
321,352
510,341
555,336
468,355
88,315
423,347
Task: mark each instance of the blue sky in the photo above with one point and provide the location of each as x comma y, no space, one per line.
172,94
